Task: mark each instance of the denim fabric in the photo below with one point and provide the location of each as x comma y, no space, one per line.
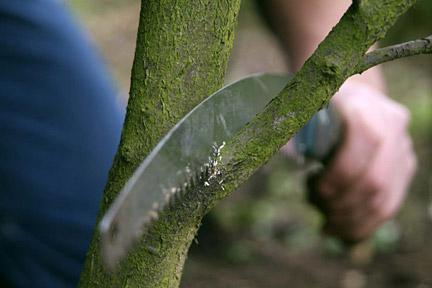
60,124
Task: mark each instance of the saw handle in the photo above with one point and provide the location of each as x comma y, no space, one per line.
318,140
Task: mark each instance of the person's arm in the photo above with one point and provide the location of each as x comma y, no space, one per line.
303,24
366,181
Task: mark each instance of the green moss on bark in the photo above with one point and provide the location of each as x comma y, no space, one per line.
181,57
336,59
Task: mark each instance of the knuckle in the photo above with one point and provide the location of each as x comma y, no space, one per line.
374,205
344,173
385,214
374,137
376,184
376,213
361,123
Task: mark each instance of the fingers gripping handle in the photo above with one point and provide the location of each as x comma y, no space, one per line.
318,140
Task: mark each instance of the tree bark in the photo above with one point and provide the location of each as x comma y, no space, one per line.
181,57
407,49
336,59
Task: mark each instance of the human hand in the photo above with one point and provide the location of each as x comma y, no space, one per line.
367,179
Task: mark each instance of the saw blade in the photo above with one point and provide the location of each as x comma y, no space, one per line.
180,155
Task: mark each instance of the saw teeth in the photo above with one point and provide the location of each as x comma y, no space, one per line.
202,173
153,215
193,180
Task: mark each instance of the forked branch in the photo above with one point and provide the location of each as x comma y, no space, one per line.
158,259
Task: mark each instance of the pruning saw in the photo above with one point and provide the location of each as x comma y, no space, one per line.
187,150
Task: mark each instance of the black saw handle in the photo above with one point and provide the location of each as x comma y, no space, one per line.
318,140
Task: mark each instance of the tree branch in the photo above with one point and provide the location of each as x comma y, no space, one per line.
181,56
334,61
158,259
411,48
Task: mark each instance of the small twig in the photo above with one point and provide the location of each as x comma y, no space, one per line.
411,48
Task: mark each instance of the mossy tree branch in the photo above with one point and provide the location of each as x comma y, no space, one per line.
158,259
181,56
336,59
407,49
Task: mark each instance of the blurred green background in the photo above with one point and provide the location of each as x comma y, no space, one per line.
266,235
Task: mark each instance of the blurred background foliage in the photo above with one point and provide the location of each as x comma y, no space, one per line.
265,234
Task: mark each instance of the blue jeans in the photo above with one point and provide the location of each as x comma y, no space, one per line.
60,125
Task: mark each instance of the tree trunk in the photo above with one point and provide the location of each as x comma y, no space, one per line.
181,57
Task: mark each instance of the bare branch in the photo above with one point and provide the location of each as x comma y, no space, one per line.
411,48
